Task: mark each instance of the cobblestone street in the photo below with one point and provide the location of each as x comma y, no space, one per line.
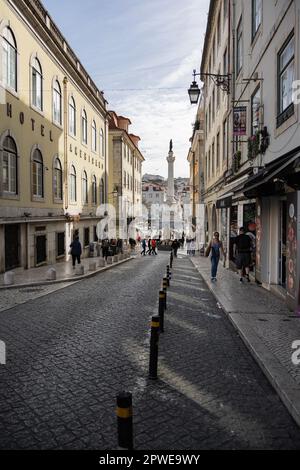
71,351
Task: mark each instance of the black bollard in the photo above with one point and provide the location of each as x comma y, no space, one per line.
154,347
124,416
161,310
168,276
165,286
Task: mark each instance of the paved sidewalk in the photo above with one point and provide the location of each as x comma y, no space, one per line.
265,324
64,273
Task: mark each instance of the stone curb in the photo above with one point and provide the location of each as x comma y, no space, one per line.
67,279
278,377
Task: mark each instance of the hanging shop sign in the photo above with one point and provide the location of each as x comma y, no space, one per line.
240,121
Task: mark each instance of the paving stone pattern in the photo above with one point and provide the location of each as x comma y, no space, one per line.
70,352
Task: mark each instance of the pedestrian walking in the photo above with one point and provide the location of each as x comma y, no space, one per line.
188,246
153,246
192,247
149,247
175,246
215,248
120,245
76,251
243,258
105,248
144,246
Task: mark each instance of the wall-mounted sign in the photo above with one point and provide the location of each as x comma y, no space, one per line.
240,121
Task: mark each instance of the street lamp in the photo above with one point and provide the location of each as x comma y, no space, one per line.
194,91
222,81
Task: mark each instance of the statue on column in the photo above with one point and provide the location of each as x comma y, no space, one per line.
171,146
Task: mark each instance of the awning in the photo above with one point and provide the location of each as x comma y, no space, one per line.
264,181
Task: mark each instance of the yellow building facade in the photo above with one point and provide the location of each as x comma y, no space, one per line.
53,141
125,163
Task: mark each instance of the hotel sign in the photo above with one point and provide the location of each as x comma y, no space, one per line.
9,113
239,121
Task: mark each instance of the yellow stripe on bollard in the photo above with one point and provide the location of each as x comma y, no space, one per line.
124,412
155,324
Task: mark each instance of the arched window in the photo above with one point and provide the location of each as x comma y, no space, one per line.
84,188
9,166
57,180
102,142
37,84
72,116
94,190
37,174
102,197
73,191
94,137
9,59
84,127
57,112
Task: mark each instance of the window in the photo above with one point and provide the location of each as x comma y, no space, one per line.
218,151
72,116
9,59
94,137
73,188
213,52
57,114
102,198
84,188
213,159
94,190
286,66
84,127
225,62
209,163
102,143
213,105
239,47
256,16
125,179
225,9
86,236
209,115
225,141
9,166
219,27
60,244
37,85
57,180
128,180
37,174
218,92
255,107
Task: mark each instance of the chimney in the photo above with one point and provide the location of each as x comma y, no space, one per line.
135,139
123,123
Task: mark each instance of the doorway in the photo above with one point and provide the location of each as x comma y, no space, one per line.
41,252
282,244
12,246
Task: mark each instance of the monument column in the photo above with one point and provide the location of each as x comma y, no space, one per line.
170,160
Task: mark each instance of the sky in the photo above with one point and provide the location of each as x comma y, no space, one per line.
141,53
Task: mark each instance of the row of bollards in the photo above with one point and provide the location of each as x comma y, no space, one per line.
124,399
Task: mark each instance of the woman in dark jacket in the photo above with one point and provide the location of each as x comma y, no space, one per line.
76,251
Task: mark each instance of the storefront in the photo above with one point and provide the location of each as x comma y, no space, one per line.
277,217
